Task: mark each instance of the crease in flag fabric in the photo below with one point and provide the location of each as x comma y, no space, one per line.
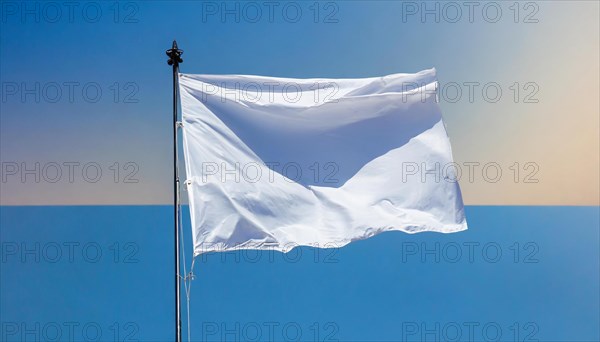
275,163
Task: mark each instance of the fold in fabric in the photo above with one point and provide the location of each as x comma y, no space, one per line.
275,163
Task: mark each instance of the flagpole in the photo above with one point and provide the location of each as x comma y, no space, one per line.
174,59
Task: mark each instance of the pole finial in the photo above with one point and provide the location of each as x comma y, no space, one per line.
174,54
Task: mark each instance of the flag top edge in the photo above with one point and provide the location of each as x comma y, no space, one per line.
431,72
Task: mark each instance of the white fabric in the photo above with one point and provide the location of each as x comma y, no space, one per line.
347,151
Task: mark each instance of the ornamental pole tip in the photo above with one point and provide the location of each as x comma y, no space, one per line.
174,54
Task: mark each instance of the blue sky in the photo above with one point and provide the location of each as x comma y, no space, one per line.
378,289
531,271
121,54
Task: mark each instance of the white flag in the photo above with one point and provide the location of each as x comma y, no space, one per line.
274,163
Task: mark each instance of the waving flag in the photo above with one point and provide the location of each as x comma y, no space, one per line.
274,163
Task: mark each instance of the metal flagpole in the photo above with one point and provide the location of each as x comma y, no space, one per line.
174,59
